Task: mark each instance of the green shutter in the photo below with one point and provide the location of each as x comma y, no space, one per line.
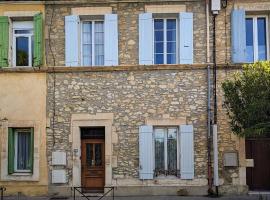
31,160
10,151
4,32
38,40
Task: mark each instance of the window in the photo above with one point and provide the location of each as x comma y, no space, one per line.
92,43
20,150
166,148
165,50
256,38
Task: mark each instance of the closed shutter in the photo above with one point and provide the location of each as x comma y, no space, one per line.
146,170
187,152
111,40
146,55
72,40
185,38
31,160
11,151
4,43
238,32
38,40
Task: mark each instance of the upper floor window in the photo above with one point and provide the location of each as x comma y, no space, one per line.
23,43
92,43
256,38
165,44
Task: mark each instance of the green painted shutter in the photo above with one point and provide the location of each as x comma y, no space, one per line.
31,160
4,32
10,151
38,40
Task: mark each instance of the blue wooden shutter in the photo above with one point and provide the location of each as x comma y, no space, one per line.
185,38
146,169
72,40
111,40
146,55
238,32
187,152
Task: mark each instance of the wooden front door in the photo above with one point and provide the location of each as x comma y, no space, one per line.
258,177
93,165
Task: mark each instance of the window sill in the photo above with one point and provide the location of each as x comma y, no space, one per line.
167,177
21,174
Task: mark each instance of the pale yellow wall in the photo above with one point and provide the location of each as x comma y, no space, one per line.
23,100
21,7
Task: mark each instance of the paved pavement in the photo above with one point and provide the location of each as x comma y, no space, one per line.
247,197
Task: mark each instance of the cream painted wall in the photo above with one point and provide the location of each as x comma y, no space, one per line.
23,102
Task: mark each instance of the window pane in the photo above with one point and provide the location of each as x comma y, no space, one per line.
23,151
87,27
89,155
171,47
99,43
158,24
23,31
261,23
171,35
249,40
171,59
172,151
22,51
159,47
171,24
159,36
98,155
159,149
159,59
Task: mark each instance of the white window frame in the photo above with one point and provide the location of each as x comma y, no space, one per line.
92,40
255,35
165,147
16,148
165,40
22,25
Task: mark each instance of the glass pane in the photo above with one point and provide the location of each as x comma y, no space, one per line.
159,47
87,54
87,27
159,36
171,59
23,31
99,27
171,35
262,52
23,151
89,155
171,47
159,149
171,24
22,51
158,24
99,43
98,154
172,151
159,59
249,40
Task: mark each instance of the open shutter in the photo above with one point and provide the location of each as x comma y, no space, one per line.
187,152
111,40
186,38
4,33
38,40
72,40
31,160
10,151
146,152
146,56
238,32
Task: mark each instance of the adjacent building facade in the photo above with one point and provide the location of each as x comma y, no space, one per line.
124,93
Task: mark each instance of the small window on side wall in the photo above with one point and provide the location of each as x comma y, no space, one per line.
20,150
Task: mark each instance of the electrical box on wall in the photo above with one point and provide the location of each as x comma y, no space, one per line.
59,176
230,159
215,6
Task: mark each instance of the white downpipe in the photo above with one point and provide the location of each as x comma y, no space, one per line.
215,149
207,32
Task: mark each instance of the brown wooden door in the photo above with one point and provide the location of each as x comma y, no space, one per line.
93,165
258,177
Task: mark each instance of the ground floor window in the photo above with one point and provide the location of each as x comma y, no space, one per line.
20,150
166,142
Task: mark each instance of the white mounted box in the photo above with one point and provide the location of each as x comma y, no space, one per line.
230,159
215,6
59,158
59,176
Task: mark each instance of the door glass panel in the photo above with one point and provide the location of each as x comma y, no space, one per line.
172,150
159,149
23,151
261,23
22,51
89,155
98,154
249,40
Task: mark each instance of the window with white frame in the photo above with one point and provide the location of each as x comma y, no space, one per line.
257,38
92,43
165,41
23,43
166,142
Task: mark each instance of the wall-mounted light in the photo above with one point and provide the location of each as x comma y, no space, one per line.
224,3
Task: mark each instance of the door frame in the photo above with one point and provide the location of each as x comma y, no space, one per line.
87,120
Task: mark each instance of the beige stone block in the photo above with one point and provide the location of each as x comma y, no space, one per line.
91,10
114,161
165,8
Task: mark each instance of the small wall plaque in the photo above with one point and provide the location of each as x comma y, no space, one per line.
230,159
